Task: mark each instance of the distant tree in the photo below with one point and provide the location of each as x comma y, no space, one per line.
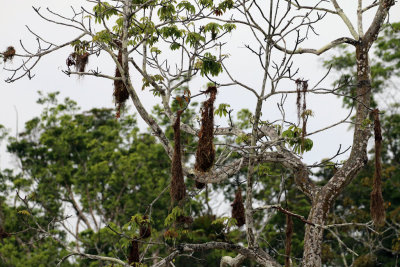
20,242
93,166
100,168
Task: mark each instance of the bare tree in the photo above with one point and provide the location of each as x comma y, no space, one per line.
137,34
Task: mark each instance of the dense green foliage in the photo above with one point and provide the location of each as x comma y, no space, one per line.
90,164
101,171
97,157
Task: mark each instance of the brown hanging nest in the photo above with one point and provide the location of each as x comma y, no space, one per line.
301,89
78,60
171,234
303,115
9,54
376,205
298,98
178,188
81,61
121,93
288,240
205,154
133,253
70,60
199,185
3,233
145,228
238,209
184,221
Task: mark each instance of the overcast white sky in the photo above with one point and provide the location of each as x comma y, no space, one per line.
96,92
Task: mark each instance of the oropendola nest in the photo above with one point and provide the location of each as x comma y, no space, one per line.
133,253
288,239
178,188
205,154
238,208
145,228
301,88
376,205
170,234
78,60
184,221
121,93
199,185
9,54
3,233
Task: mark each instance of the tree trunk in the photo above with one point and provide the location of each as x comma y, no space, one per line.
323,198
314,235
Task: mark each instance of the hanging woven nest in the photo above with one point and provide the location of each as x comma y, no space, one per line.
133,253
79,60
238,209
377,208
178,188
121,93
145,228
205,154
9,54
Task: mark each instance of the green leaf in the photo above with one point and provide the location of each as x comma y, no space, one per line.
102,11
210,65
229,27
188,6
171,31
175,213
175,46
222,110
155,50
194,38
166,12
